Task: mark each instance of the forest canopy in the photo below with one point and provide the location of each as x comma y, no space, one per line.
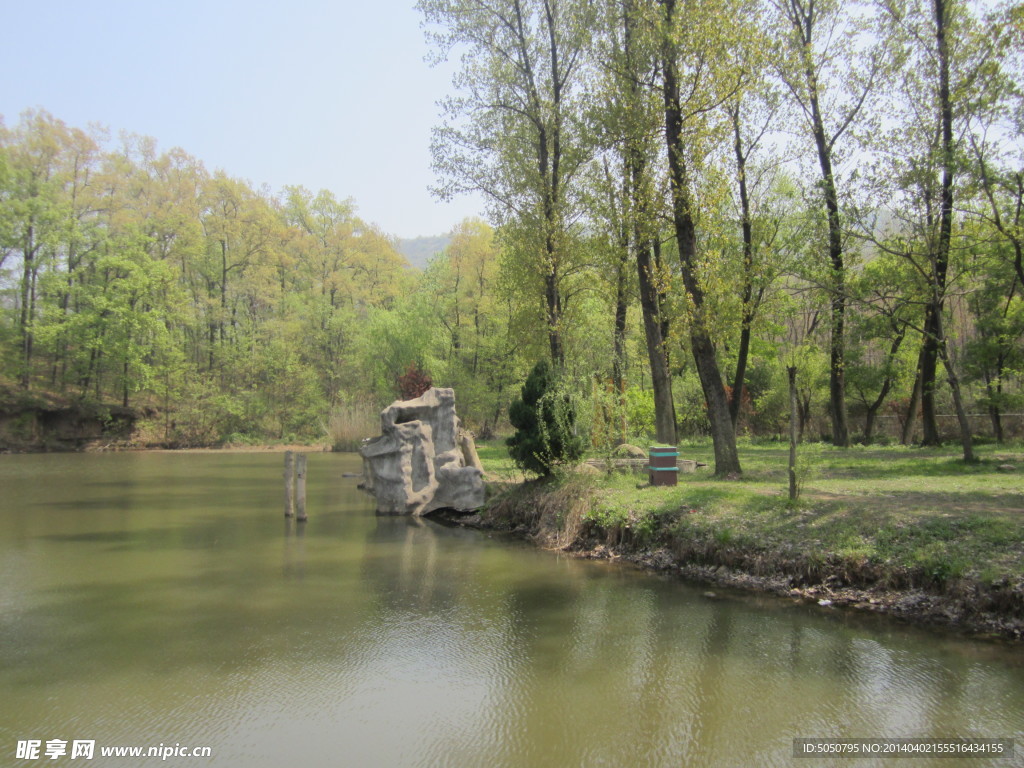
679,212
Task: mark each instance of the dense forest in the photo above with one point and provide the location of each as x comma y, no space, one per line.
687,203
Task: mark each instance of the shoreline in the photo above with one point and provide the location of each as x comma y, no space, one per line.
114,447
541,516
559,517
916,607
317,448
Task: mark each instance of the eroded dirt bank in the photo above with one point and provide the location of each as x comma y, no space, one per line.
33,424
555,517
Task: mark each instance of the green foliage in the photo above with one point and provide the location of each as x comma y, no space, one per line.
640,412
545,421
607,424
132,275
476,348
135,275
388,340
691,408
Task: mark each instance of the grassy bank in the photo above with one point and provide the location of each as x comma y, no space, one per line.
905,530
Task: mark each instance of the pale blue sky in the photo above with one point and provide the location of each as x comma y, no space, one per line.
323,93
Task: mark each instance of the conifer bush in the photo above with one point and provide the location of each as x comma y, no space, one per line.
545,421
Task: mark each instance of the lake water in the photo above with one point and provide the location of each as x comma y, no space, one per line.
162,599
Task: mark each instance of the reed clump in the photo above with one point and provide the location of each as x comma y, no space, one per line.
349,424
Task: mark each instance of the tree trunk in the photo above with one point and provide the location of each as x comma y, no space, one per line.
736,397
907,434
61,349
619,346
837,344
997,423
869,421
619,335
935,342
662,294
28,301
549,156
837,377
212,341
995,392
645,249
223,288
958,404
124,384
661,379
869,425
929,368
793,417
86,379
805,415
621,233
747,316
554,318
869,418
724,437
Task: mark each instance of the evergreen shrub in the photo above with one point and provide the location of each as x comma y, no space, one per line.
545,420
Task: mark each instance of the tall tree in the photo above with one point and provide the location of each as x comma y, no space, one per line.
477,346
830,72
885,288
996,350
772,224
238,226
698,77
34,218
995,137
514,131
952,74
79,237
633,121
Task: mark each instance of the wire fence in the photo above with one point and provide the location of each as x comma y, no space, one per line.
949,428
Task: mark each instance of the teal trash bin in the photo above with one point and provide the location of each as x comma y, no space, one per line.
663,465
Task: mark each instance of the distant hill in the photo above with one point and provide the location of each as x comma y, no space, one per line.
419,250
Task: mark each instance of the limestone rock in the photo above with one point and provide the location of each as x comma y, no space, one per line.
423,460
628,451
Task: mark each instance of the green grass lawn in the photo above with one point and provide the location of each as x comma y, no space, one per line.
883,509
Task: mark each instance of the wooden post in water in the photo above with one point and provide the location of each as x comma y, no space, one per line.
289,483
300,487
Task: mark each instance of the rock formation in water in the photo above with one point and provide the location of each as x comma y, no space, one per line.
423,459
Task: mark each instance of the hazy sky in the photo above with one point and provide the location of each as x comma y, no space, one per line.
323,93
